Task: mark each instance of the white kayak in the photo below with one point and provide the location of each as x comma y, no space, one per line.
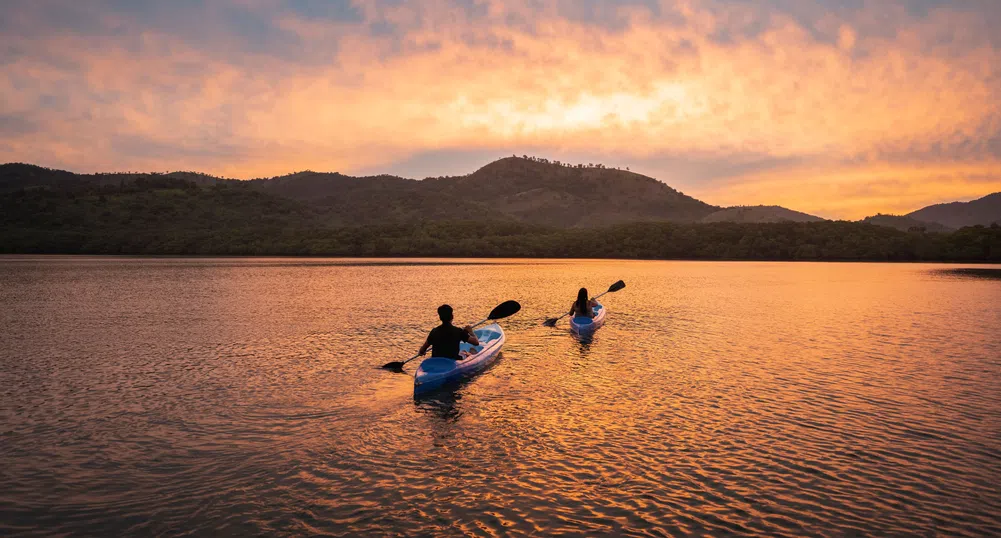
583,325
435,372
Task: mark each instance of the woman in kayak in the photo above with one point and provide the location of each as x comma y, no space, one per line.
444,339
583,307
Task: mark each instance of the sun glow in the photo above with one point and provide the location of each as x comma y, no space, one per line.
842,102
510,118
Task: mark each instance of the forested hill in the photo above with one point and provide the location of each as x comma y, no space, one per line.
514,189
556,194
906,223
17,176
759,214
166,214
986,211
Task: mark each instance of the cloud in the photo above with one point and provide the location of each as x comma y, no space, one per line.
717,97
11,125
337,10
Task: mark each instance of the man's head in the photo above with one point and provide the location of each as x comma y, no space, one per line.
445,313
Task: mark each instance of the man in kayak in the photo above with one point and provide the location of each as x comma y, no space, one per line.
444,339
583,307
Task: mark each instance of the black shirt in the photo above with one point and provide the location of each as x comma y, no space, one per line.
445,341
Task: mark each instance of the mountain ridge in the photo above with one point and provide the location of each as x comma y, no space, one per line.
760,214
905,223
498,212
984,211
512,189
519,189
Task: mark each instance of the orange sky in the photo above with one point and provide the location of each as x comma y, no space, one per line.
837,108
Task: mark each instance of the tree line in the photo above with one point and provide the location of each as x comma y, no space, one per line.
162,215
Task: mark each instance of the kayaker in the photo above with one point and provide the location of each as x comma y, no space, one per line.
583,307
444,339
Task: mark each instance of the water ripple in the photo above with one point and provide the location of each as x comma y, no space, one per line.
240,397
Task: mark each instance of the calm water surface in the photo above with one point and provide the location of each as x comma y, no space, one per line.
241,397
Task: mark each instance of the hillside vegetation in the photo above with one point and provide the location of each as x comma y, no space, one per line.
167,215
516,189
906,224
759,214
985,211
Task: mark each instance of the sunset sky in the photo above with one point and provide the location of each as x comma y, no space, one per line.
840,108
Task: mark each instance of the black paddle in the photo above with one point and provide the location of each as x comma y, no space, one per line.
503,310
551,322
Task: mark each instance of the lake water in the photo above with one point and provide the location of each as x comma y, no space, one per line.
242,397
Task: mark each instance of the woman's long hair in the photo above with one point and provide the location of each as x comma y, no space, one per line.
581,306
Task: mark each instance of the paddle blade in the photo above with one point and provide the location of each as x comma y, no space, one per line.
551,322
505,309
395,365
616,287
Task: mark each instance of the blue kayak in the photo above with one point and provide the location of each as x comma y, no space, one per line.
583,325
436,372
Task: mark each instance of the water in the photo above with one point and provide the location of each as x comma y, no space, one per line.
241,397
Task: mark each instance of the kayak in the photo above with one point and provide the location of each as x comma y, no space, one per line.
583,325
435,372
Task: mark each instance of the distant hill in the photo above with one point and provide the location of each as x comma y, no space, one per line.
513,189
49,211
905,223
521,190
518,189
15,176
759,214
553,194
348,200
18,176
984,211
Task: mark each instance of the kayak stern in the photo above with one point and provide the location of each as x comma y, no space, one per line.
584,325
436,372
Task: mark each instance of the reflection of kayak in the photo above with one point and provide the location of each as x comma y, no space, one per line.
583,325
436,371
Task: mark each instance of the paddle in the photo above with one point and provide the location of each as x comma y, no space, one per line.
551,322
503,310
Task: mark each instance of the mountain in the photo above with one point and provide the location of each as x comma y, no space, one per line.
521,190
487,213
348,200
16,176
555,194
984,211
518,189
905,223
759,214
513,189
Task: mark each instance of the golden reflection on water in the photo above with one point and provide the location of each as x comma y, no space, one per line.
243,396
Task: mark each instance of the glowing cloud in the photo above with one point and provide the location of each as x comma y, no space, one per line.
839,111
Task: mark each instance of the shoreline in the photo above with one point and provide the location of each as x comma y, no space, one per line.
486,259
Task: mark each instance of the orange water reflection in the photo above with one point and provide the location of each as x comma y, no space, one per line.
233,395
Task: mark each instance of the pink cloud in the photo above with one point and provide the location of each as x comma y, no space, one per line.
413,78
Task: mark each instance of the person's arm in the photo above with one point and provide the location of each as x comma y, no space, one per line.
573,306
471,336
592,303
424,348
